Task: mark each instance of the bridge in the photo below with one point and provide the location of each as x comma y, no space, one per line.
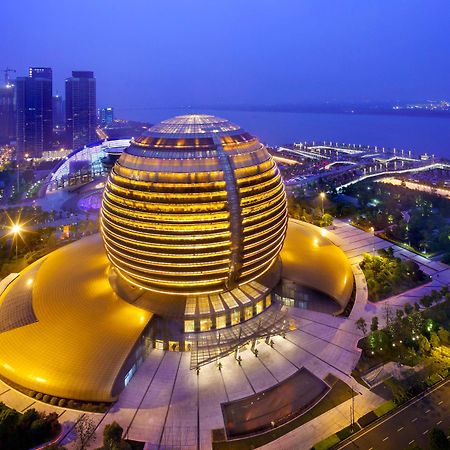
433,166
334,163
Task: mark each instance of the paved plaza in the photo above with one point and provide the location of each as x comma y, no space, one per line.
168,405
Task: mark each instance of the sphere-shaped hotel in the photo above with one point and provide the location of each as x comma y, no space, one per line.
194,254
195,206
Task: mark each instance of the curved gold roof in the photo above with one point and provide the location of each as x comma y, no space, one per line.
311,259
84,332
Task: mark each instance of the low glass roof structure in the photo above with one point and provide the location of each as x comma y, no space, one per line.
88,158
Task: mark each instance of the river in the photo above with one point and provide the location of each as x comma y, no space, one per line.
419,134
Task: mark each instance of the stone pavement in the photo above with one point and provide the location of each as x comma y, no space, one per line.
169,406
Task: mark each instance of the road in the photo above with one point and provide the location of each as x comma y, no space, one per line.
409,425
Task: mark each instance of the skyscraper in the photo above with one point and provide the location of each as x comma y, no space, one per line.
34,112
7,113
106,115
58,111
81,109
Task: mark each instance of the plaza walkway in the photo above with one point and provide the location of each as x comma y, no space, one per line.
170,407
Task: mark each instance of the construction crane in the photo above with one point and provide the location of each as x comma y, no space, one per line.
7,71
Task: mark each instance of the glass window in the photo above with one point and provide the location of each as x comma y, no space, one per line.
235,316
259,307
248,312
221,321
189,326
205,324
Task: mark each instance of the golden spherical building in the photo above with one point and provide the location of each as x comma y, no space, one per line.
194,206
194,255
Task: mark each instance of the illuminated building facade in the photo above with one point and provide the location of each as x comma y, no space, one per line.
193,221
195,206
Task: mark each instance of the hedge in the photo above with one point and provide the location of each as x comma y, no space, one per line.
327,443
385,408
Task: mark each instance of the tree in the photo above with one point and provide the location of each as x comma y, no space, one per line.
408,308
424,345
434,340
444,335
112,436
327,220
361,324
84,429
374,324
438,440
54,447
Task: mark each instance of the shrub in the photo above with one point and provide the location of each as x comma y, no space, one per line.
438,440
54,401
433,379
62,402
367,419
71,404
46,398
347,431
40,430
39,396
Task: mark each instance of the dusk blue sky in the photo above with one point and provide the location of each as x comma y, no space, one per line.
193,52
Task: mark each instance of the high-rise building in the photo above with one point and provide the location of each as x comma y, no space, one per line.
40,72
34,112
7,113
58,111
81,109
106,116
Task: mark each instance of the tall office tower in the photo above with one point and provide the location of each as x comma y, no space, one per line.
81,109
106,116
7,113
34,112
58,111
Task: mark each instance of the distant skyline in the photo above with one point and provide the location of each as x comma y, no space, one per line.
163,54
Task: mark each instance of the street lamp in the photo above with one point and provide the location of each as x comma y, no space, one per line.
16,229
322,197
372,230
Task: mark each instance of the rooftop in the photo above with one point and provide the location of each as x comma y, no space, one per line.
83,333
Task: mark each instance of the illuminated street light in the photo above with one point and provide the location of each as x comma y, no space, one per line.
322,197
16,229
372,230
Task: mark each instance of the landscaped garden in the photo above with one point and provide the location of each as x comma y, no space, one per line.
387,276
24,431
413,335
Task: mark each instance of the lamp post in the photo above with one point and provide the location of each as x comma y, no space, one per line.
372,230
322,197
16,229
